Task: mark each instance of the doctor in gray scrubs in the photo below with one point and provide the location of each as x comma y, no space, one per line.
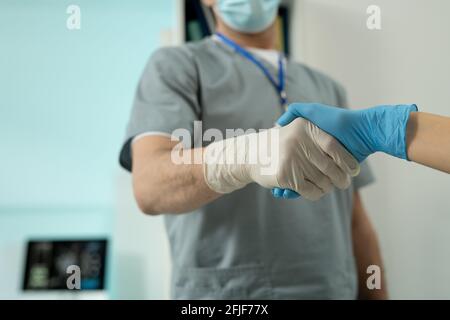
231,238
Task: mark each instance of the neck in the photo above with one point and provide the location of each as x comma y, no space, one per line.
263,40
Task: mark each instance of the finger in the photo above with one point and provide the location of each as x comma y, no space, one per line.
326,165
290,194
287,118
315,176
277,192
338,153
338,177
294,111
310,191
308,179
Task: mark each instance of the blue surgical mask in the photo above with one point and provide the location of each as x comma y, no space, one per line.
248,16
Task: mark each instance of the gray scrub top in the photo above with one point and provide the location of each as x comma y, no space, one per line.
247,244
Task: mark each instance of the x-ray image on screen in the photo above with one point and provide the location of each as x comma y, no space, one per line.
48,261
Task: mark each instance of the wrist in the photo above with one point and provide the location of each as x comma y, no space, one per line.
225,164
391,129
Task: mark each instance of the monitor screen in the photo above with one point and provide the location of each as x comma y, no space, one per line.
53,264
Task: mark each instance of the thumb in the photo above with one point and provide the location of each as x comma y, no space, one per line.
287,118
294,111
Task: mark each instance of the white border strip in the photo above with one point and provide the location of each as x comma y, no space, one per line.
151,133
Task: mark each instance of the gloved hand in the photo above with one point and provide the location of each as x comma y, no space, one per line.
299,156
362,132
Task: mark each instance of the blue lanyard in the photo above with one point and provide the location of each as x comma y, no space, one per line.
280,85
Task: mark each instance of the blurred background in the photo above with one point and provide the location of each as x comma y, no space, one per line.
65,97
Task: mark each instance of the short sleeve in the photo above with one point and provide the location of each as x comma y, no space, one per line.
166,98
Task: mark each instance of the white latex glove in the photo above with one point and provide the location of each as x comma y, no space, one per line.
299,156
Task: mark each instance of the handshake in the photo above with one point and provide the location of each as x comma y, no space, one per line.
316,148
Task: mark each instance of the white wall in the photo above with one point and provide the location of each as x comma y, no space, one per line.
407,61
64,101
17,226
141,262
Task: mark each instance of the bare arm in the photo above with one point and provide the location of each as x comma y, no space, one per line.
428,140
366,250
162,186
301,151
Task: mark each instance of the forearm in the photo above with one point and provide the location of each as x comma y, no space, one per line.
299,156
162,186
367,252
428,140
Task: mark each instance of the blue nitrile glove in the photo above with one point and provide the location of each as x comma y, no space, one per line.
362,132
